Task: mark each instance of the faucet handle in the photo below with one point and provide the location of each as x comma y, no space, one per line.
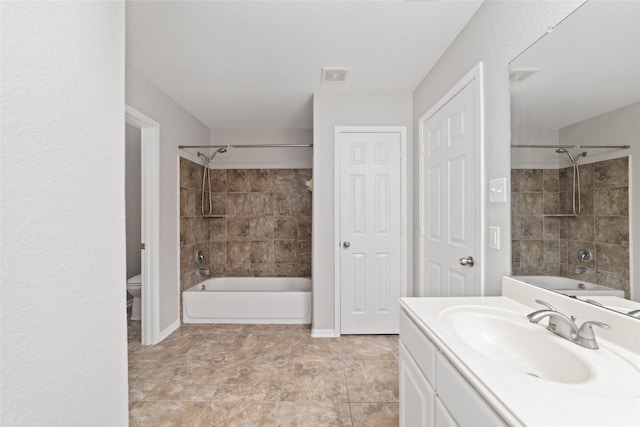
546,304
634,313
586,331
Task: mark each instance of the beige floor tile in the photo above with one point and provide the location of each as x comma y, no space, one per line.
171,346
225,414
138,388
252,382
372,380
181,389
359,347
150,370
268,348
202,369
313,414
262,375
215,347
299,330
165,413
307,348
374,414
317,381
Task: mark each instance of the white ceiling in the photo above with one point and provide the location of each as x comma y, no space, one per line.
256,64
589,65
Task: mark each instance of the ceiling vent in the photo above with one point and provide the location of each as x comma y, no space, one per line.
519,74
334,74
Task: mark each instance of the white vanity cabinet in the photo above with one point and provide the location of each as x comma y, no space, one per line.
432,391
417,396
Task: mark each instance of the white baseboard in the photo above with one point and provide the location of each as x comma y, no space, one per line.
324,333
168,331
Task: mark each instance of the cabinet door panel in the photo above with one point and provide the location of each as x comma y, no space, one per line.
417,398
443,418
420,347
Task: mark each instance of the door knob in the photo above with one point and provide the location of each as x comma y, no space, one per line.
346,244
467,261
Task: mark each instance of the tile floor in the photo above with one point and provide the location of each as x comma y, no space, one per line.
262,375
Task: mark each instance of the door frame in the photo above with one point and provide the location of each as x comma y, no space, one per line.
475,74
402,130
150,154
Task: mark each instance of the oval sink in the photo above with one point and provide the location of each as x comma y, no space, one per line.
505,338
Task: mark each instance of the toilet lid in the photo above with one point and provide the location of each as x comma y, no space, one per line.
135,280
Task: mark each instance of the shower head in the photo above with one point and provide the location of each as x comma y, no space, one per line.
208,159
571,157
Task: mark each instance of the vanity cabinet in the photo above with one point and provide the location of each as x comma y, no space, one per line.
432,392
417,396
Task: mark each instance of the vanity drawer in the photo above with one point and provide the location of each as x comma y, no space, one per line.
461,400
421,349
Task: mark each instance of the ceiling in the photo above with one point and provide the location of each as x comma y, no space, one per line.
588,65
256,64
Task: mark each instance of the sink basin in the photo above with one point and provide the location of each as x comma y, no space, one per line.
506,338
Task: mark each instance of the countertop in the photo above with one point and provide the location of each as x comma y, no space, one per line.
609,398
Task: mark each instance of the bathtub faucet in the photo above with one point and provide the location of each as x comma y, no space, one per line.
204,271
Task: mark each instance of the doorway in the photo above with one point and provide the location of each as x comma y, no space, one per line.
149,246
371,217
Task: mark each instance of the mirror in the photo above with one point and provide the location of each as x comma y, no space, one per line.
575,109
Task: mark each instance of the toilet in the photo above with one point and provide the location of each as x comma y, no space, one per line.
134,287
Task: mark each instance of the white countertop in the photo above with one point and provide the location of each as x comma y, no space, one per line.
608,398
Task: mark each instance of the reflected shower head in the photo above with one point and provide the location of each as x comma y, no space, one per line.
221,150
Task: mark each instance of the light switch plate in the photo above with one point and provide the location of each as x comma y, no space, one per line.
498,190
494,237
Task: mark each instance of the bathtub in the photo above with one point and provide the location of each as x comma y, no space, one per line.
571,287
248,300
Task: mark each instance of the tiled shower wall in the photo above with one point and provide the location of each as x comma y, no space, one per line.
546,245
261,225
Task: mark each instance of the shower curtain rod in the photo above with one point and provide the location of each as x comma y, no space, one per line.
623,147
248,146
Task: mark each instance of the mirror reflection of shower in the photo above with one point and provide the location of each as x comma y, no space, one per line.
206,198
576,205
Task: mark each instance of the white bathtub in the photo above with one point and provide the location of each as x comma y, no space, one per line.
248,300
571,287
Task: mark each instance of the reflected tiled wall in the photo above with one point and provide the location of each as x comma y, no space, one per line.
544,245
262,228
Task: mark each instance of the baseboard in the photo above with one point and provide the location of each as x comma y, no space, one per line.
324,333
168,331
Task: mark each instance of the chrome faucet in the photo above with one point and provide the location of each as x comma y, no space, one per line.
564,326
634,313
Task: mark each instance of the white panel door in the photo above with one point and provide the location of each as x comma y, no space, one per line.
370,235
450,217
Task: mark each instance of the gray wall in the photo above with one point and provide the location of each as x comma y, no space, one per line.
498,32
344,109
177,126
256,158
133,196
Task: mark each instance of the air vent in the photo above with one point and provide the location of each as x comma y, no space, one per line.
519,74
334,74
